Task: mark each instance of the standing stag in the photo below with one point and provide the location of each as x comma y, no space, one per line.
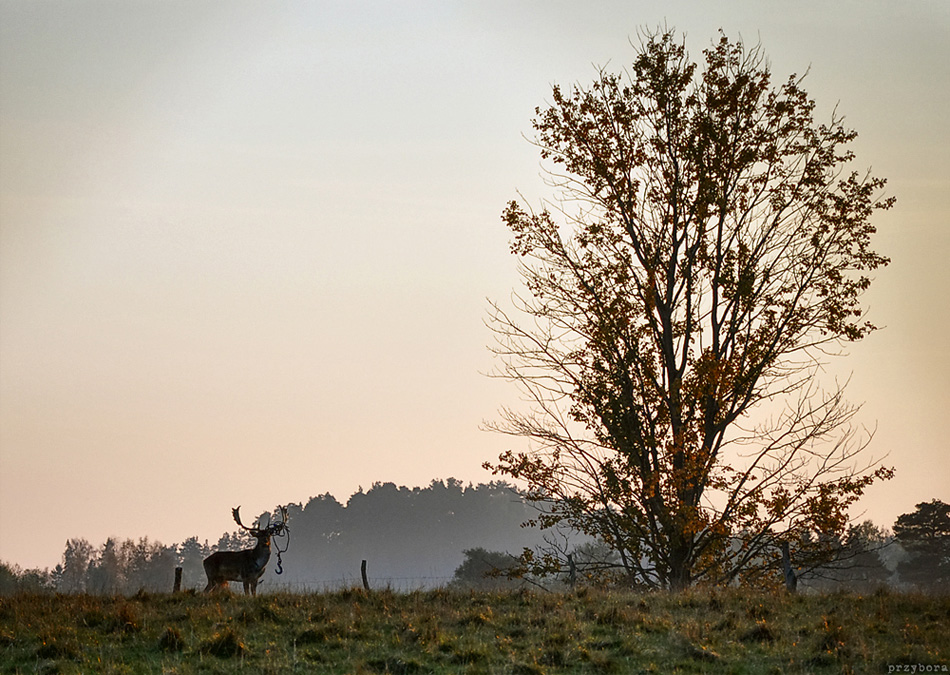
248,565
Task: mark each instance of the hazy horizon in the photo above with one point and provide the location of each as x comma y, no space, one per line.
245,249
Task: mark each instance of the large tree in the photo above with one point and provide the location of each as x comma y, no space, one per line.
706,249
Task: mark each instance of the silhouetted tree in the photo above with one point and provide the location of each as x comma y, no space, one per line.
856,563
865,568
707,251
8,579
148,565
594,563
486,571
106,570
190,555
317,555
925,535
77,558
234,541
118,567
16,580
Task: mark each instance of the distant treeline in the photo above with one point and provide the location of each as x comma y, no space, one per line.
446,534
410,538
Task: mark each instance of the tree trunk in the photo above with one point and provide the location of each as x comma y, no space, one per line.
680,573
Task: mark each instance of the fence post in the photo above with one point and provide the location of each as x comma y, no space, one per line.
363,574
177,588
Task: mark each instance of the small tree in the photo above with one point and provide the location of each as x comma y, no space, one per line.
9,578
16,580
706,252
925,535
191,554
78,559
856,563
486,570
106,575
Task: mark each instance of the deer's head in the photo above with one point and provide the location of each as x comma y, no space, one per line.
263,534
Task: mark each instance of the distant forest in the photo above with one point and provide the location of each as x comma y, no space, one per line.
410,537
450,534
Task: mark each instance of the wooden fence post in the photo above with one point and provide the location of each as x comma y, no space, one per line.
363,574
791,579
177,588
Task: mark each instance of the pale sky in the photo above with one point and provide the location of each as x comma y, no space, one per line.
245,246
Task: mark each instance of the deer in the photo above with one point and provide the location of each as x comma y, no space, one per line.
248,565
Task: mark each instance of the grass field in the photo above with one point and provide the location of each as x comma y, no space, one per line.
453,632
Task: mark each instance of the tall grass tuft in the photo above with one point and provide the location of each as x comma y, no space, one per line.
224,644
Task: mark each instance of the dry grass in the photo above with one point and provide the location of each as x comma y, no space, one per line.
353,631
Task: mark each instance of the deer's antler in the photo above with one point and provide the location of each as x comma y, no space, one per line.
236,512
281,525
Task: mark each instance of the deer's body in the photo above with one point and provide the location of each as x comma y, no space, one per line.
246,566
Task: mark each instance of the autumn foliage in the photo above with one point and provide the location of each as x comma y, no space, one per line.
705,251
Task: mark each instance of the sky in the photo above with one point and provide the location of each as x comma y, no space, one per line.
245,247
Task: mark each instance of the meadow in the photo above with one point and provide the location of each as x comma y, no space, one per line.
443,631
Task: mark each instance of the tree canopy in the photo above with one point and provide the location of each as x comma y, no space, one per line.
705,250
